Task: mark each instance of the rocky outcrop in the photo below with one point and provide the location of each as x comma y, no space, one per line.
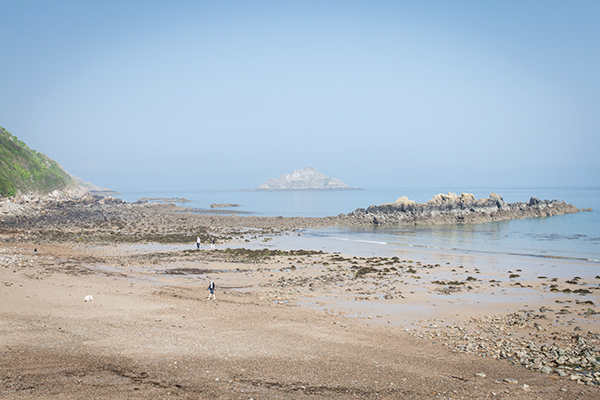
452,209
94,189
304,179
68,197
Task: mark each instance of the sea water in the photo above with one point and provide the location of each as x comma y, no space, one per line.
569,237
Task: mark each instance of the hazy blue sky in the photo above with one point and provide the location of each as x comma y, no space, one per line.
194,95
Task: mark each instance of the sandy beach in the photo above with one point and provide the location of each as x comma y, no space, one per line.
285,323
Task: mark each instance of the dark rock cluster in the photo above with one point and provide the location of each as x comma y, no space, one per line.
452,209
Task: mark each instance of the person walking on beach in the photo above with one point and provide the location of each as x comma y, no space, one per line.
211,287
212,244
198,243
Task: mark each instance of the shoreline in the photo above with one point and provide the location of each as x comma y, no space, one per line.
455,306
253,232
328,242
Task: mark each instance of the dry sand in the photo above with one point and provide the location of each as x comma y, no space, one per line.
281,327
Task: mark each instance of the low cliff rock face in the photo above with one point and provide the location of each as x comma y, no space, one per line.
94,189
452,209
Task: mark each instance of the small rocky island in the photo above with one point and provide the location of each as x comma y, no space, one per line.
449,209
305,179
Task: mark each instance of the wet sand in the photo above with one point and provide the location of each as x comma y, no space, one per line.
287,326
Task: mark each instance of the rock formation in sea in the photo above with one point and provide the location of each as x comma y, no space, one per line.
305,179
452,209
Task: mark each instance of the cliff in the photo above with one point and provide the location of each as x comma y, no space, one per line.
452,209
30,174
304,179
27,171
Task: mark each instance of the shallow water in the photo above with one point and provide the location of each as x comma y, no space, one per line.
489,265
548,241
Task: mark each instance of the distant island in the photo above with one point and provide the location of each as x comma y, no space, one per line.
304,179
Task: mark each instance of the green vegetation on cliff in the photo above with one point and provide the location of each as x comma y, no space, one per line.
25,170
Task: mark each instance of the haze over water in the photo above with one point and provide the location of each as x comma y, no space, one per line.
196,95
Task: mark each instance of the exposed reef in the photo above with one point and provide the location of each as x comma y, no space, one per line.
449,208
163,200
224,205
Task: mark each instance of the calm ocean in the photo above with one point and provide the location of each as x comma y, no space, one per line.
575,237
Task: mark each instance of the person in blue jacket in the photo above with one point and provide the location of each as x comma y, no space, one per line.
211,287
